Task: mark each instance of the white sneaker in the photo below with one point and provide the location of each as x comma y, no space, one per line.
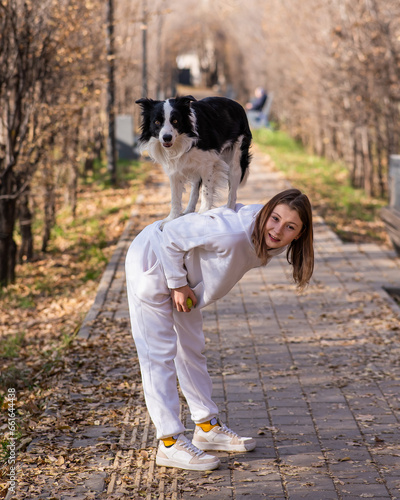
221,438
184,455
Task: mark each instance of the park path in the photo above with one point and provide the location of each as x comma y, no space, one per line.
315,378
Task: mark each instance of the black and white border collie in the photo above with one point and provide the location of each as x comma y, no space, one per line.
205,143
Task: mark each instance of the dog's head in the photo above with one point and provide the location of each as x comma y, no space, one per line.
166,120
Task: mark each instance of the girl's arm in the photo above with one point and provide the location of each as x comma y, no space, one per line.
212,231
180,296
180,236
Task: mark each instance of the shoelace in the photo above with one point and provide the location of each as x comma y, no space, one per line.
192,448
228,431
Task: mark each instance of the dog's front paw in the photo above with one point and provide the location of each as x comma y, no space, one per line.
164,221
168,219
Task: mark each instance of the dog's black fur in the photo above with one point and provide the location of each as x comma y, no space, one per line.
205,143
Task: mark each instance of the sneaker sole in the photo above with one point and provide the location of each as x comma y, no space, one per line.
165,462
223,447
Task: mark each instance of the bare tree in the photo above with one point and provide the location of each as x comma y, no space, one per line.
111,142
41,84
26,48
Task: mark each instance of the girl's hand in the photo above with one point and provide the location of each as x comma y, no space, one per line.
179,297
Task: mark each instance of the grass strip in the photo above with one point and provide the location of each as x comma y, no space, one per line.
352,214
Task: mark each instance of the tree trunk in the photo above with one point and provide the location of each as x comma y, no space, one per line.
367,168
111,142
49,214
380,147
356,174
25,224
88,166
73,187
144,50
8,248
98,145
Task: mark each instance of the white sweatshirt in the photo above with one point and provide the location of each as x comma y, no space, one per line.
211,251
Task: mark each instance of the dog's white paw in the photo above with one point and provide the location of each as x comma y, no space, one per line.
168,219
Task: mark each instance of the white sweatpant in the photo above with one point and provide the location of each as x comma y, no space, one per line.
169,344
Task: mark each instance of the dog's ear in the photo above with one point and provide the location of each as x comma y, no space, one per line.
145,103
186,99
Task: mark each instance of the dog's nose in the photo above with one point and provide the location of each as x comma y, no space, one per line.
167,138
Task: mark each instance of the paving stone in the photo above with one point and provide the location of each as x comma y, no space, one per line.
250,491
289,403
98,431
74,496
96,482
83,443
296,430
288,448
365,495
294,420
311,494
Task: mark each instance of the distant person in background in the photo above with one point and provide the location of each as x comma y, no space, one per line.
257,110
260,97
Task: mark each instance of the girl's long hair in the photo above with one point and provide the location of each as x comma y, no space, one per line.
300,253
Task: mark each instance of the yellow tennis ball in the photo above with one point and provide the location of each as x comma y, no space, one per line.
189,302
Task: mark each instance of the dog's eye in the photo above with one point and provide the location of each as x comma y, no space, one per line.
157,122
174,122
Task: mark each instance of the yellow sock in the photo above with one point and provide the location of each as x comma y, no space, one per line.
169,441
207,426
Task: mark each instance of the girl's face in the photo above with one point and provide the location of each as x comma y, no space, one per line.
283,226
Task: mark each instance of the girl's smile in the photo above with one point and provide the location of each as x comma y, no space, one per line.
283,226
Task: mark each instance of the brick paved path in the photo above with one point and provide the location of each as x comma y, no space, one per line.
314,377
